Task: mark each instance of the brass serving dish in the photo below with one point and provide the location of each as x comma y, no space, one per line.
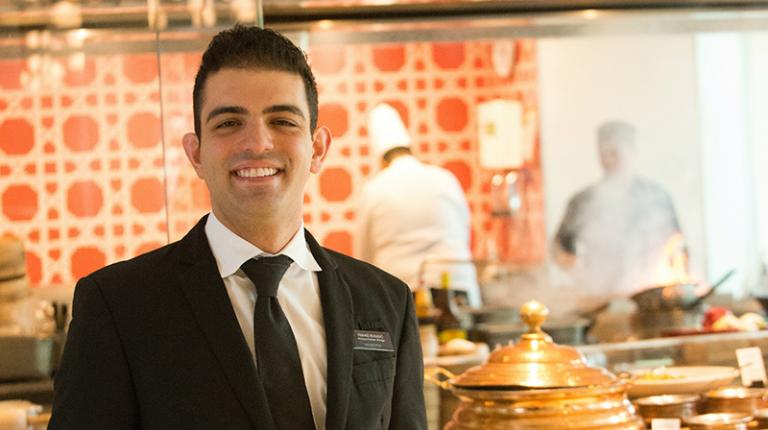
719,421
537,384
761,416
679,406
736,399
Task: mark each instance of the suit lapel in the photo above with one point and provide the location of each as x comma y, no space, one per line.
338,318
202,286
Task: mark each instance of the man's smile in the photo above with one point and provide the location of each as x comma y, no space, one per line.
256,172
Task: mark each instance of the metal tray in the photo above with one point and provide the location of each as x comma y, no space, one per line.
26,357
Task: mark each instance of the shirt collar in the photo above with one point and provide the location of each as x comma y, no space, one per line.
230,250
405,160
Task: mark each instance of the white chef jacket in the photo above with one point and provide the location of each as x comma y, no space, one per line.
412,211
298,294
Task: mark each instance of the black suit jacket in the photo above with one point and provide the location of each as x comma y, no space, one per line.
154,344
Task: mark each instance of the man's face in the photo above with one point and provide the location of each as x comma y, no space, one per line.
256,150
615,157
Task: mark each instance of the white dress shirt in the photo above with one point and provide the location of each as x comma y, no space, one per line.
411,212
298,294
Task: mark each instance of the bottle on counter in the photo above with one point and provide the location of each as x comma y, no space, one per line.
427,316
448,325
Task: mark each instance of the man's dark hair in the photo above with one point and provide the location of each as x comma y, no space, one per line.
395,152
242,47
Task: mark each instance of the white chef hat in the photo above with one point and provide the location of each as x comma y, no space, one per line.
386,129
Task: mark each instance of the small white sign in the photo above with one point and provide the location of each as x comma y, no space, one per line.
751,365
500,134
665,424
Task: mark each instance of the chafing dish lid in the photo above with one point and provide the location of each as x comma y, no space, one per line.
535,361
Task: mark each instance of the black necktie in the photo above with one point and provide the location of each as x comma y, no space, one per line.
277,357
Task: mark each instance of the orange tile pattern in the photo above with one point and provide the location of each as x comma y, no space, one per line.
80,186
434,86
84,176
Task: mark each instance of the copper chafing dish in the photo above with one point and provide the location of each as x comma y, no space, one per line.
761,416
736,399
679,406
537,384
719,421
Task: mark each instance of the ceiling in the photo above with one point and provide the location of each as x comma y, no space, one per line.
21,15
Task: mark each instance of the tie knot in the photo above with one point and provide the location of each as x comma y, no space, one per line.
266,273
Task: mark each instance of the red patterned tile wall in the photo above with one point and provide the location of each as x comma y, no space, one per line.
84,176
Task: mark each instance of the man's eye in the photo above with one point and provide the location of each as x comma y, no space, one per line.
284,123
228,123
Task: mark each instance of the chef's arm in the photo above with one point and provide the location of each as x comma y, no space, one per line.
93,387
562,257
564,244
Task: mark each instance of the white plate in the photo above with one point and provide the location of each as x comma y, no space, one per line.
477,356
688,380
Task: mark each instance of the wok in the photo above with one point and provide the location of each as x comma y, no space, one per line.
685,296
498,325
566,331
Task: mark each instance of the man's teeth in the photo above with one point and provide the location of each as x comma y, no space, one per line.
257,172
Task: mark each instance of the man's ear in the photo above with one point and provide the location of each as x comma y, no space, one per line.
321,141
192,148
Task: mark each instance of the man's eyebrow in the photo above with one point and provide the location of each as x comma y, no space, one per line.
226,109
285,108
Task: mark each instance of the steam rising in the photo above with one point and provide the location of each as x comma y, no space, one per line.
619,227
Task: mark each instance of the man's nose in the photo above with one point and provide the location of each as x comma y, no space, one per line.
257,137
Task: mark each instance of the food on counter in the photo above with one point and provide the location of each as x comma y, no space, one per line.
753,321
457,347
722,319
685,380
728,321
713,314
659,374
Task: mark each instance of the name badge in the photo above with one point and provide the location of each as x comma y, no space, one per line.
369,340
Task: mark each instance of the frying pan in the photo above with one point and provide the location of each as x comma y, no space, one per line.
685,296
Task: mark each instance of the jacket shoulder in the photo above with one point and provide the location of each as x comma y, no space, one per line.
142,266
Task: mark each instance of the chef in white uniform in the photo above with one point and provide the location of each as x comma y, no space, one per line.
411,212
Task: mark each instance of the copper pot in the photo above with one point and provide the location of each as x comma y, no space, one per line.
537,384
736,399
679,406
761,416
719,421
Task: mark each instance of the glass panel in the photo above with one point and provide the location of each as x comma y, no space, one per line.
711,350
187,195
694,108
81,175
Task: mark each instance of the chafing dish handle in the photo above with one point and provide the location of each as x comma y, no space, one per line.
438,376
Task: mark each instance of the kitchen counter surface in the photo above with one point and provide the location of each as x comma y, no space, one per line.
37,391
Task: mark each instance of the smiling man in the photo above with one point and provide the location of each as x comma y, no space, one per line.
246,322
